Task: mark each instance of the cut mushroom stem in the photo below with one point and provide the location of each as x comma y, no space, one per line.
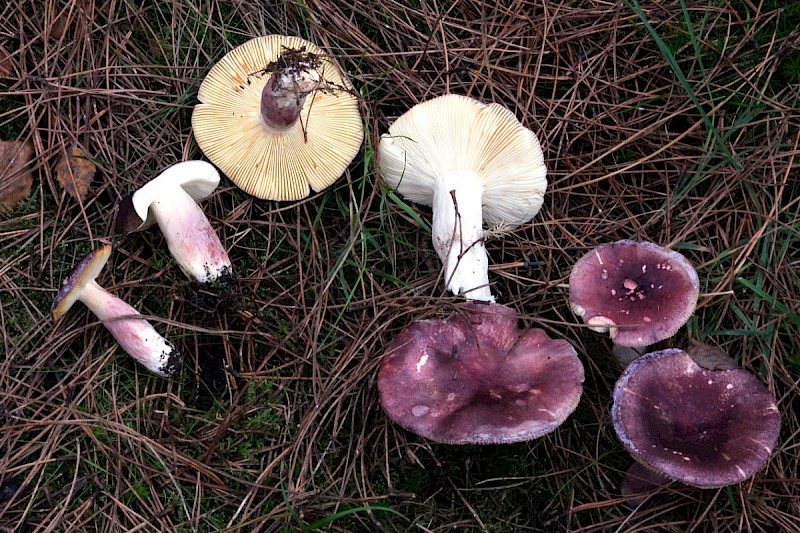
458,234
134,334
285,93
170,200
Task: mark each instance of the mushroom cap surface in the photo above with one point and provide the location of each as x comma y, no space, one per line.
475,377
231,132
458,133
641,292
199,179
85,271
707,428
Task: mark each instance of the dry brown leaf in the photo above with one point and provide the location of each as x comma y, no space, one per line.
75,173
59,20
6,63
15,173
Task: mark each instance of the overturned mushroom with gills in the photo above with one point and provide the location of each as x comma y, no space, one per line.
170,200
278,117
134,334
638,292
471,162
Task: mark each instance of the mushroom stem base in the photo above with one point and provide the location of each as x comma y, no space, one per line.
190,237
458,234
135,335
625,355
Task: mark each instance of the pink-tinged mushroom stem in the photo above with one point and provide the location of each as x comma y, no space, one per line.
192,241
458,234
284,95
135,335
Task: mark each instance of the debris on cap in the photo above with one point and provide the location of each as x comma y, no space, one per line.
639,292
254,140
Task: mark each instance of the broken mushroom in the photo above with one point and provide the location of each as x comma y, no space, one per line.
475,377
706,428
134,334
278,117
470,161
170,200
639,292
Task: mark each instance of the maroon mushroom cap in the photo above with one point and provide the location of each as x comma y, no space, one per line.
707,428
128,220
638,291
475,377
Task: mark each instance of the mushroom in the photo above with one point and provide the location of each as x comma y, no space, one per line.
277,116
639,481
476,378
170,200
469,161
134,334
706,428
639,292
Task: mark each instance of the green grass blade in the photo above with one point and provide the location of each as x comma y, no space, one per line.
673,63
327,520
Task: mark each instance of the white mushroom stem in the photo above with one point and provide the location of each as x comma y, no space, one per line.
135,335
458,234
284,95
190,237
625,355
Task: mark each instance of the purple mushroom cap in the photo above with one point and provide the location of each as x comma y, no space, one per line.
707,428
638,291
475,377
